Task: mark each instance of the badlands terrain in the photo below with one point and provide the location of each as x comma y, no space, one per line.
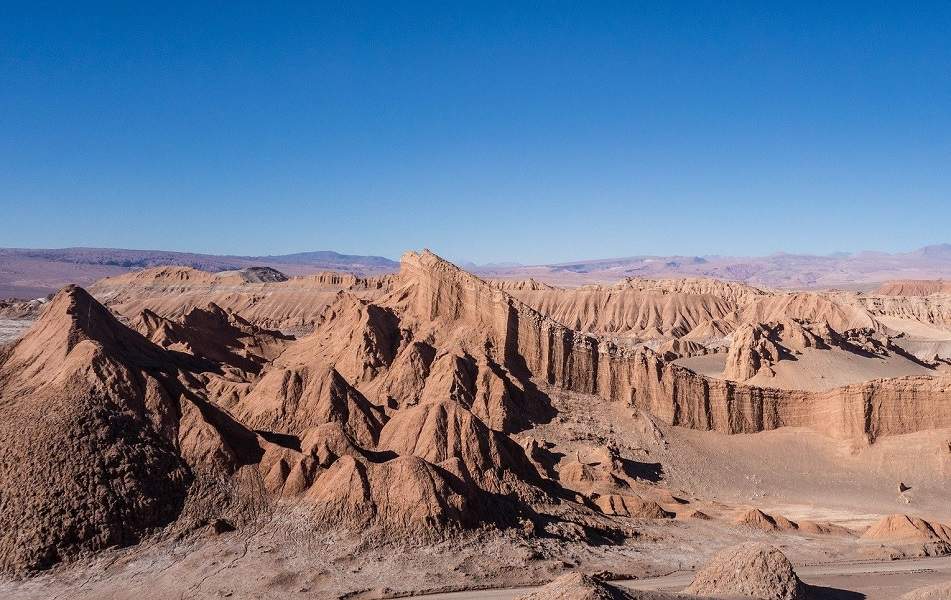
171,432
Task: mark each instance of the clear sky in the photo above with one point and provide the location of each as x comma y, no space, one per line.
531,132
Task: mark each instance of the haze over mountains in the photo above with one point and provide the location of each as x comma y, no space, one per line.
794,271
29,273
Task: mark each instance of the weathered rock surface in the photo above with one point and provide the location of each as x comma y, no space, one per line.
754,349
631,506
940,591
215,334
577,586
266,298
757,519
907,529
752,570
99,440
639,308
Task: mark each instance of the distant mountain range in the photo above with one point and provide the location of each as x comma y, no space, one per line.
28,273
860,270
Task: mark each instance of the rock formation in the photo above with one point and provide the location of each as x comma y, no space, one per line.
840,314
907,529
577,586
757,519
404,498
212,333
264,297
939,591
753,349
681,348
642,309
751,570
631,506
100,440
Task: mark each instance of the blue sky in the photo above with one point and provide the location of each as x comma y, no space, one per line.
531,132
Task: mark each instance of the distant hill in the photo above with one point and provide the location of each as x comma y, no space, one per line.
326,257
29,273
860,270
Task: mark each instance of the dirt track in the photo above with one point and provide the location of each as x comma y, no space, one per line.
871,581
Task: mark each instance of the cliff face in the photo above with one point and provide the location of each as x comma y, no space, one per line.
681,397
637,309
574,361
934,309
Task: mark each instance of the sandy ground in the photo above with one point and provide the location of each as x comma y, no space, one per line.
802,474
871,581
915,329
816,370
921,340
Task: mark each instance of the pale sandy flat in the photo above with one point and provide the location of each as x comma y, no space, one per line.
915,329
817,370
711,365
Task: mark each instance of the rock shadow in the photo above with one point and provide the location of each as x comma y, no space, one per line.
652,472
818,592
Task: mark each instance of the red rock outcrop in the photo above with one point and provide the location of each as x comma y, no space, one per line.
442,430
293,400
631,506
753,350
100,439
404,498
265,298
638,308
215,334
907,529
751,570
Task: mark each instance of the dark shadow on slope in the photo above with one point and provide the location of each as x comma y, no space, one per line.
652,472
818,592
377,456
536,405
909,356
547,459
212,335
240,439
285,440
191,363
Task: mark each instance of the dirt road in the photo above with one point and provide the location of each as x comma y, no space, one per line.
868,580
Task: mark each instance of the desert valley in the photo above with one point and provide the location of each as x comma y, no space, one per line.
171,432
475,301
